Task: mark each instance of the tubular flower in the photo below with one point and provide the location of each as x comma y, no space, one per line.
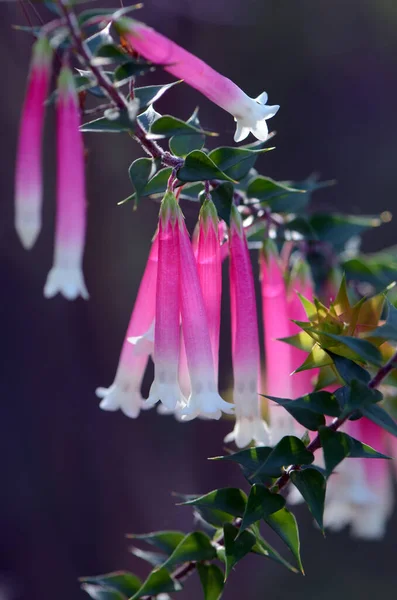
28,175
277,353
165,386
210,274
66,275
204,399
360,493
302,283
249,113
245,341
125,392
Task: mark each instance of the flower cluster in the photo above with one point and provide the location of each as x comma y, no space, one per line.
66,274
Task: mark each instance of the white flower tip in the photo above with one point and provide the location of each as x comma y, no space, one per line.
28,229
247,430
143,344
254,119
208,405
168,393
69,281
126,398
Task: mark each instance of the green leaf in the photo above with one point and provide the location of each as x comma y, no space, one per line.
166,541
229,500
194,546
261,503
323,403
236,546
222,197
388,331
263,548
212,581
338,229
168,126
289,451
140,172
94,42
235,162
348,369
379,416
103,124
129,70
92,13
158,582
312,485
283,522
181,145
191,191
338,446
199,167
153,558
364,350
250,461
112,54
356,396
151,93
98,592
149,116
278,196
123,582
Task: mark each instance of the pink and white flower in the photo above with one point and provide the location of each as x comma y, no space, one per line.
165,386
277,353
28,175
360,492
125,391
204,399
245,341
249,113
66,275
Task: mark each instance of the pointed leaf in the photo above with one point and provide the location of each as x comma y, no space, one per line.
289,451
194,546
151,93
222,197
181,145
312,485
283,522
140,172
379,416
168,126
263,548
123,582
199,167
261,503
388,331
103,124
229,500
306,417
166,541
236,547
249,461
362,349
348,369
158,582
212,581
99,592
356,396
153,558
235,162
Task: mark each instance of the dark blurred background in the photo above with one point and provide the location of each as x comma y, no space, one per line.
75,479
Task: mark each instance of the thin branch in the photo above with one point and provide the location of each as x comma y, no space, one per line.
150,146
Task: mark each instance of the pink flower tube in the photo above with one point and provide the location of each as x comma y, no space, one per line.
249,113
165,386
28,175
277,353
125,391
360,493
302,283
210,274
204,399
245,341
66,275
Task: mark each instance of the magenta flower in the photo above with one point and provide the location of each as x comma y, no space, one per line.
125,391
66,275
302,283
209,267
277,353
360,493
245,341
249,113
165,386
204,399
28,176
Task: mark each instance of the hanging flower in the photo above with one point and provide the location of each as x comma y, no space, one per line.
66,275
165,386
245,341
249,113
300,283
125,391
28,176
360,492
277,353
204,399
